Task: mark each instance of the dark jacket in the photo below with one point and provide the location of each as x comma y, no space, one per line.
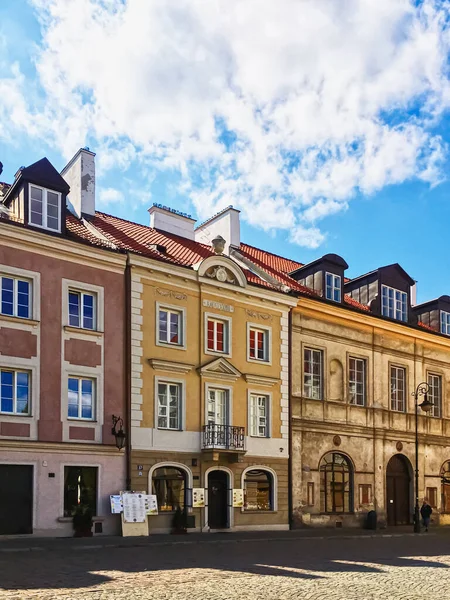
426,511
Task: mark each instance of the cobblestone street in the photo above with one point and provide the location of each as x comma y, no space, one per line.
336,569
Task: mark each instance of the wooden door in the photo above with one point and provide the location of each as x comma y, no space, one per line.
398,484
218,500
16,499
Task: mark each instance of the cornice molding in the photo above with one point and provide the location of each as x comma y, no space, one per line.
261,380
170,366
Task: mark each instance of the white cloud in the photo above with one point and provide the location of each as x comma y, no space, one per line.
285,109
109,196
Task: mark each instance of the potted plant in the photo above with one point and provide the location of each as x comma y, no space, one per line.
82,521
179,521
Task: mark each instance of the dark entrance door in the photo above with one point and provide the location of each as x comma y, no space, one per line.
16,499
398,483
218,499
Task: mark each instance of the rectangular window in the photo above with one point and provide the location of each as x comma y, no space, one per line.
432,496
394,303
82,310
310,499
217,335
81,398
398,388
258,344
333,287
435,394
357,381
445,322
170,327
45,208
14,392
312,374
15,297
80,488
169,406
259,409
365,493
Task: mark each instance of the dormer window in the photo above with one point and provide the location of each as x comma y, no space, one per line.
394,303
44,208
445,322
333,287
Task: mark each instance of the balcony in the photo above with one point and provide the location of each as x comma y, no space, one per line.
223,439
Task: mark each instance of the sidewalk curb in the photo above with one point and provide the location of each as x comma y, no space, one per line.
157,544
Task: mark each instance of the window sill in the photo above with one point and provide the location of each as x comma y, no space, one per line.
93,332
260,437
169,429
69,519
258,512
81,420
11,414
169,345
259,361
21,320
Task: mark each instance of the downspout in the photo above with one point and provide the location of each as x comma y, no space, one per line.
127,354
290,476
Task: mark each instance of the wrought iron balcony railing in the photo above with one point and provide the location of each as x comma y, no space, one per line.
223,437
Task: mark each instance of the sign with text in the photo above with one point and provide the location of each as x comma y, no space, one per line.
116,504
151,504
198,498
238,498
134,507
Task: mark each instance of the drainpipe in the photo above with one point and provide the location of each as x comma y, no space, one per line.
290,477
127,354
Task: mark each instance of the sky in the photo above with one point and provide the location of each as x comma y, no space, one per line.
325,122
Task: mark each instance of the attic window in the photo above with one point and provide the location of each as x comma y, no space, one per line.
45,208
333,287
394,303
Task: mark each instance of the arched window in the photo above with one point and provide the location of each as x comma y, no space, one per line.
445,474
169,485
336,484
258,490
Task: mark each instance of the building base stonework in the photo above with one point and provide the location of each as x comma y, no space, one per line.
200,472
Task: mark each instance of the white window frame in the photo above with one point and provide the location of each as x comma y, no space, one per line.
181,403
322,378
229,400
445,322
436,409
81,294
267,360
252,394
14,412
397,313
181,345
94,398
95,290
34,279
227,321
362,361
398,368
44,208
274,486
16,281
333,287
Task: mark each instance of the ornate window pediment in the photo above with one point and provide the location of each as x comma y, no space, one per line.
220,369
223,270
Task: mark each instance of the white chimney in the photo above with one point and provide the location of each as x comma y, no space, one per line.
172,221
80,175
413,294
226,224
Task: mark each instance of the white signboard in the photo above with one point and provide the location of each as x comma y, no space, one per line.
151,504
116,504
134,508
198,497
238,498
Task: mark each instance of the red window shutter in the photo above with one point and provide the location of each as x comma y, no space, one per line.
219,327
252,344
210,335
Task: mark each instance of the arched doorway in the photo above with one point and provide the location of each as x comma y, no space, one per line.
336,484
218,499
398,490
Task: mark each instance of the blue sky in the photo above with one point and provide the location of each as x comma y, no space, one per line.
328,129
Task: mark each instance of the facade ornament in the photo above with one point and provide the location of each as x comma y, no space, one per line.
258,315
399,446
221,274
171,294
337,440
218,244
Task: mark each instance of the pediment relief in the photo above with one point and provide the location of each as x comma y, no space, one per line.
223,269
220,368
222,274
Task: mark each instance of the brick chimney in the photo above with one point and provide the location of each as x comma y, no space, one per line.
80,175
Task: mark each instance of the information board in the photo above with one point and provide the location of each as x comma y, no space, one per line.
198,497
151,504
238,498
116,504
134,508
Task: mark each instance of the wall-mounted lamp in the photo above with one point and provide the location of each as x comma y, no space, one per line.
118,432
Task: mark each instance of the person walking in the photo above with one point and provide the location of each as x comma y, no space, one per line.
426,511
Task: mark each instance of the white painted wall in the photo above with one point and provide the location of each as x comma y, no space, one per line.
226,224
48,492
171,222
